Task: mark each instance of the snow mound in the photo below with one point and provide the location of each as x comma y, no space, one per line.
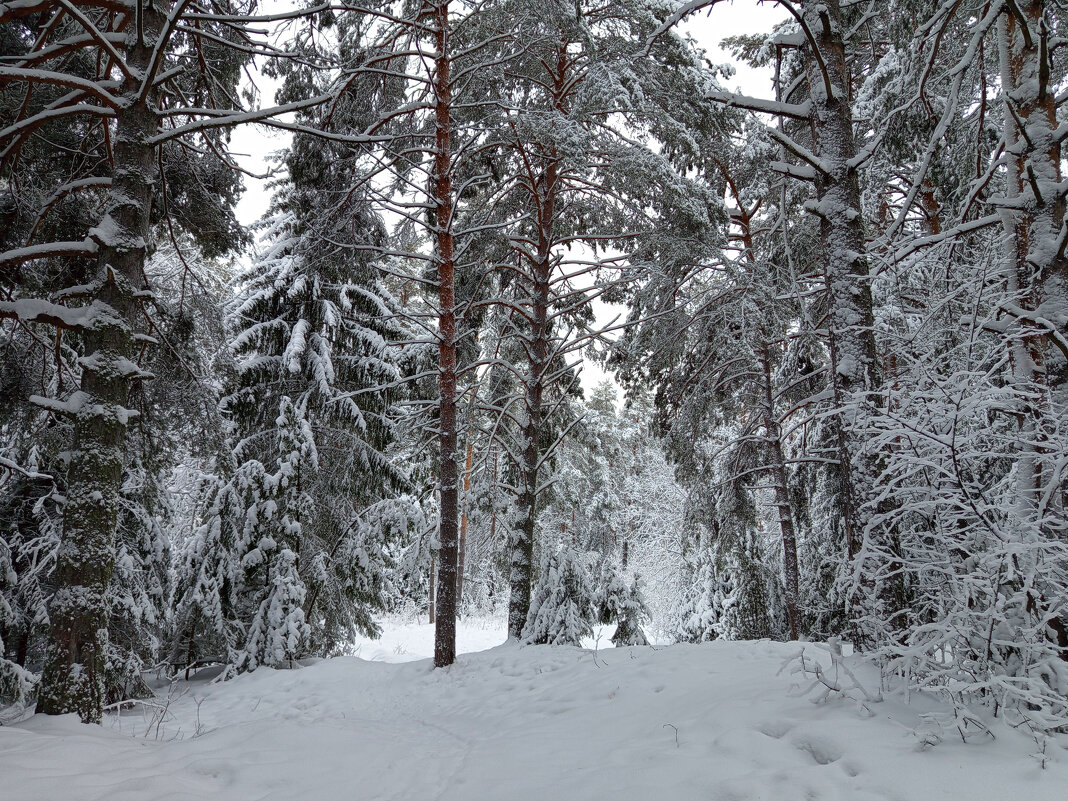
717,722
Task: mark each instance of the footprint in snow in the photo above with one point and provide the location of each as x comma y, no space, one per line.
775,729
823,750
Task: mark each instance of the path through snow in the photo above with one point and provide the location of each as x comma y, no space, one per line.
522,724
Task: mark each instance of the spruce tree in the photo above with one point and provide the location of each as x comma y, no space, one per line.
561,607
105,78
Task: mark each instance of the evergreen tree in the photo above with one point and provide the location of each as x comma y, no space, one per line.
315,376
106,79
561,606
618,603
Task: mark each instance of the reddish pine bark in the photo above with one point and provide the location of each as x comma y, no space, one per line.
448,485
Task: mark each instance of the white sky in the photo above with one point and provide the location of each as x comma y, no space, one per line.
252,145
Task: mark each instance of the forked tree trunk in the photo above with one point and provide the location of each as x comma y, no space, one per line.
448,484
73,679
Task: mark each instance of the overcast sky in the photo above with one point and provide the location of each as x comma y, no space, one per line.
254,144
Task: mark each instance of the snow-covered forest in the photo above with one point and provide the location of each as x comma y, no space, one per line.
833,317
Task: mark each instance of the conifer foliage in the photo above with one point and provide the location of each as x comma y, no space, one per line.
562,604
622,604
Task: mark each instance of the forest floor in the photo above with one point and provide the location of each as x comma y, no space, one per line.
718,722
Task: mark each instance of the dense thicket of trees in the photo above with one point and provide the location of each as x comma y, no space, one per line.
844,353
874,371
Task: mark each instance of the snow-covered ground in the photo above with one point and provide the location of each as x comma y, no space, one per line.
717,722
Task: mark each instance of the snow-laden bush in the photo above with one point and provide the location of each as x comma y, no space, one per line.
961,585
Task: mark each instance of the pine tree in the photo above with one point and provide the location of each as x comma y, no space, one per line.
578,180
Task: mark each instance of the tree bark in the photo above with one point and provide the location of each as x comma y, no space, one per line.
448,484
851,339
773,433
463,526
73,677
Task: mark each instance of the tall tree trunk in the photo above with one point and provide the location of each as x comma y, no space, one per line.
851,340
448,484
743,217
522,556
73,678
544,189
773,434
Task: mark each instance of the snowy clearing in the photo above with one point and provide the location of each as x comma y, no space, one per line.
717,722
405,639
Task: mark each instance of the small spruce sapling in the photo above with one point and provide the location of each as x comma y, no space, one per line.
279,632
631,610
695,615
562,608
615,602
